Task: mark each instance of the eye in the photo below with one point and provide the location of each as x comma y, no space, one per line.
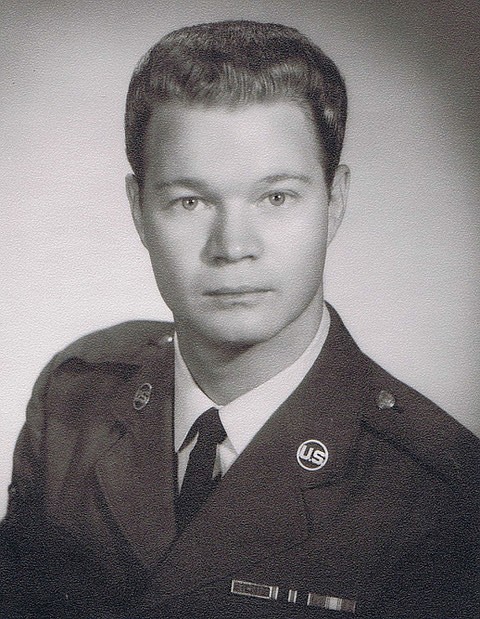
190,203
277,198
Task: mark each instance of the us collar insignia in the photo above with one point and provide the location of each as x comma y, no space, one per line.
312,455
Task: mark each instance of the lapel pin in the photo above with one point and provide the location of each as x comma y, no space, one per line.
142,396
312,455
385,400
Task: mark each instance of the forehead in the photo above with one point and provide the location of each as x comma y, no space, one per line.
258,135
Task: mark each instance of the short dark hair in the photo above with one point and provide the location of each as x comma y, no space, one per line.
237,62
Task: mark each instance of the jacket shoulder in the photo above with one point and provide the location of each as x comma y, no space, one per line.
414,424
122,343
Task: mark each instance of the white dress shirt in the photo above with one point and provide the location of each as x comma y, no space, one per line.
243,417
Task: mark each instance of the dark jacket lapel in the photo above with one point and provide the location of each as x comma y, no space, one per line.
137,474
259,508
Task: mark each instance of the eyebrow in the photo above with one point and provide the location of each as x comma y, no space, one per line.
199,185
277,178
188,183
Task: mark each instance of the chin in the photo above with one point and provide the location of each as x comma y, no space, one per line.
242,334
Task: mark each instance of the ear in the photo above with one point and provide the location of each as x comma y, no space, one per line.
133,195
338,200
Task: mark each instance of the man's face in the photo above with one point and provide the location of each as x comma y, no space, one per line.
236,217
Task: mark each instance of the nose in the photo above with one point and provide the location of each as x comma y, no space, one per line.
233,236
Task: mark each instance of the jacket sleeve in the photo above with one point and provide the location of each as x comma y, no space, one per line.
22,533
39,566
26,486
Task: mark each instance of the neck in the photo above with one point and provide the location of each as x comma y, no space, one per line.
225,372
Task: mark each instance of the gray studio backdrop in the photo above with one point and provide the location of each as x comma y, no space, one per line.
404,270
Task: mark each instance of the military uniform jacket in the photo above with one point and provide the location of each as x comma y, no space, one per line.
386,529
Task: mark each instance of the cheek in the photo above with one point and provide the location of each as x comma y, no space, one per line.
302,270
170,265
162,245
164,257
174,263
306,227
305,249
306,272
174,238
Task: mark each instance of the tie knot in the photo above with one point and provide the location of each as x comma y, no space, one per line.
209,427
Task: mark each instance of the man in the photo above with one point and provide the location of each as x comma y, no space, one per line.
249,460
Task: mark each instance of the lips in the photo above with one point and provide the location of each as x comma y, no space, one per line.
231,297
228,291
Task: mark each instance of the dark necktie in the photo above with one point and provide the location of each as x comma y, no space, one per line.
198,482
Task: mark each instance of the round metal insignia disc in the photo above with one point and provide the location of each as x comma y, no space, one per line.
312,455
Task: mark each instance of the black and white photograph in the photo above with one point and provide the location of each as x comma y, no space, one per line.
240,321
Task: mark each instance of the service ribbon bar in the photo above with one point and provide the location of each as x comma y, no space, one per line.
331,603
292,596
251,589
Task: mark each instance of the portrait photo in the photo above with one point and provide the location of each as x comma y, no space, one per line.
183,222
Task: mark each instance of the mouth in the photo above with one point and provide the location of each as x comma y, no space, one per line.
238,295
228,291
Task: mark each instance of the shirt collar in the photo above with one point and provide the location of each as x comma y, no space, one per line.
243,417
